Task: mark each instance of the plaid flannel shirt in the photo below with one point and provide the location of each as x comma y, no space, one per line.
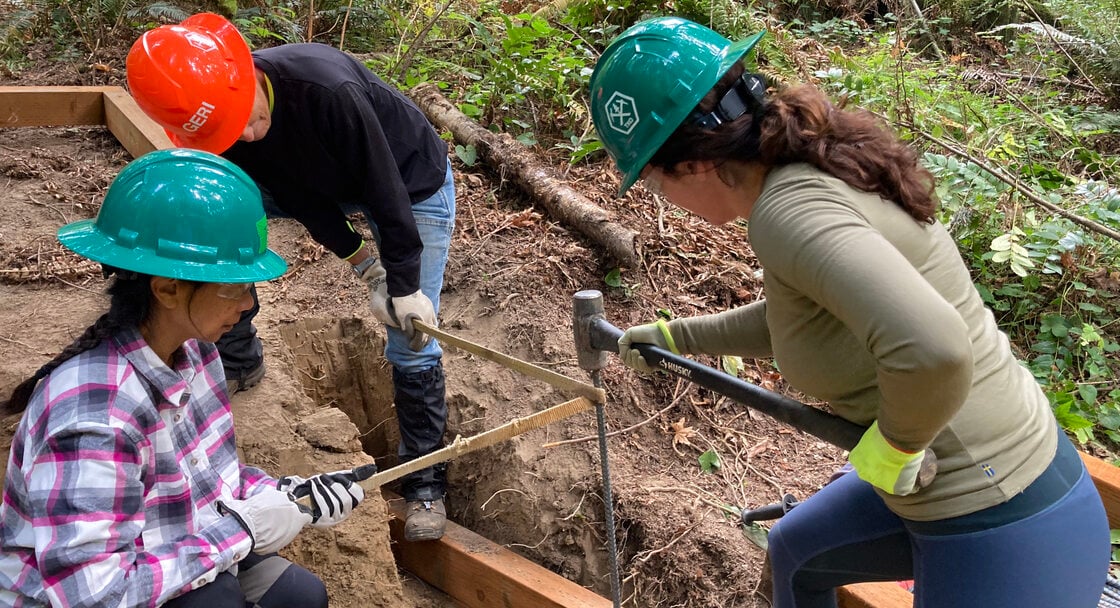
113,479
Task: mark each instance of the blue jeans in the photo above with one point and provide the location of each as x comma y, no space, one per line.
435,221
1055,556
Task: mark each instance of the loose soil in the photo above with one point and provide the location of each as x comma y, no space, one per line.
326,401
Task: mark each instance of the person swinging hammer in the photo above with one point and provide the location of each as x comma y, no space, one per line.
869,307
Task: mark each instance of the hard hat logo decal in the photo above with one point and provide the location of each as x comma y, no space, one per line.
622,113
196,121
199,41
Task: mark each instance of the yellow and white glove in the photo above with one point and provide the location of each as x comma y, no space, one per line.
656,334
888,468
415,306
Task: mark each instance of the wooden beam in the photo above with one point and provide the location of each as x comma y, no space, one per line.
874,595
52,106
890,595
138,133
478,573
1107,478
71,106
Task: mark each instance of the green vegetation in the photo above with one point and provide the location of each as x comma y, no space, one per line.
1012,113
1045,276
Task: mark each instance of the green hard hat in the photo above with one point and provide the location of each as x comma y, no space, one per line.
182,214
648,81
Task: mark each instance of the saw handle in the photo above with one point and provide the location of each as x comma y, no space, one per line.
768,512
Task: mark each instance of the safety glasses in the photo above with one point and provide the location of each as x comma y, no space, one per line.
233,291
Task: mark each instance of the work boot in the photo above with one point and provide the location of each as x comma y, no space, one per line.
425,520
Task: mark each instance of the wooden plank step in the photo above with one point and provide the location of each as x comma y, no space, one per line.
890,595
52,106
478,573
138,133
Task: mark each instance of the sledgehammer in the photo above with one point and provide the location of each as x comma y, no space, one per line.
595,337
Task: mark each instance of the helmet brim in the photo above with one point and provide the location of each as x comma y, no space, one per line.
84,238
731,55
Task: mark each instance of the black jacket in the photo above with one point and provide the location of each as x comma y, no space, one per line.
341,134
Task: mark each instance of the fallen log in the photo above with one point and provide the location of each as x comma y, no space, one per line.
513,160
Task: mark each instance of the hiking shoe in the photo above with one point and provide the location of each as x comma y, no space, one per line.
237,382
426,520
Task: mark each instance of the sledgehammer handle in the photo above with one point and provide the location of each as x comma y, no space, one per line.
833,429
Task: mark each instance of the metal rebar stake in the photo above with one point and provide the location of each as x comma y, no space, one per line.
608,499
587,305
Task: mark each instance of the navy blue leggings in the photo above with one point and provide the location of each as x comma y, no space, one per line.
1056,556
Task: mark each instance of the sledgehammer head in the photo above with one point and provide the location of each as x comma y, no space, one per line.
587,307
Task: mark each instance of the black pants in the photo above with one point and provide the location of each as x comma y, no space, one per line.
262,581
422,417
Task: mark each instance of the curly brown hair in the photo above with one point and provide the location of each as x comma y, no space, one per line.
799,124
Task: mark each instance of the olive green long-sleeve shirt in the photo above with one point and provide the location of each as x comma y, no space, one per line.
876,314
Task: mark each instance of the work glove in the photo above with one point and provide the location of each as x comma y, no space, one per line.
332,495
890,469
271,518
374,276
656,334
415,306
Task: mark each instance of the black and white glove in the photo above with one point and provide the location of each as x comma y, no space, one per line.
270,517
333,495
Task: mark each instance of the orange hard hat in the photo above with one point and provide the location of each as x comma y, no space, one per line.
196,79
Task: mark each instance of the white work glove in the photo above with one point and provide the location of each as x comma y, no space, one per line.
656,334
333,495
374,276
415,306
270,517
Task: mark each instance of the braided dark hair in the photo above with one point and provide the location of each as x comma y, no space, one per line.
799,124
130,300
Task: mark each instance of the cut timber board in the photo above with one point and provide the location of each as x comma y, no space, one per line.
1107,478
77,106
478,573
890,595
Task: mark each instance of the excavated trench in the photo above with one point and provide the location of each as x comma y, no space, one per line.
543,505
339,363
